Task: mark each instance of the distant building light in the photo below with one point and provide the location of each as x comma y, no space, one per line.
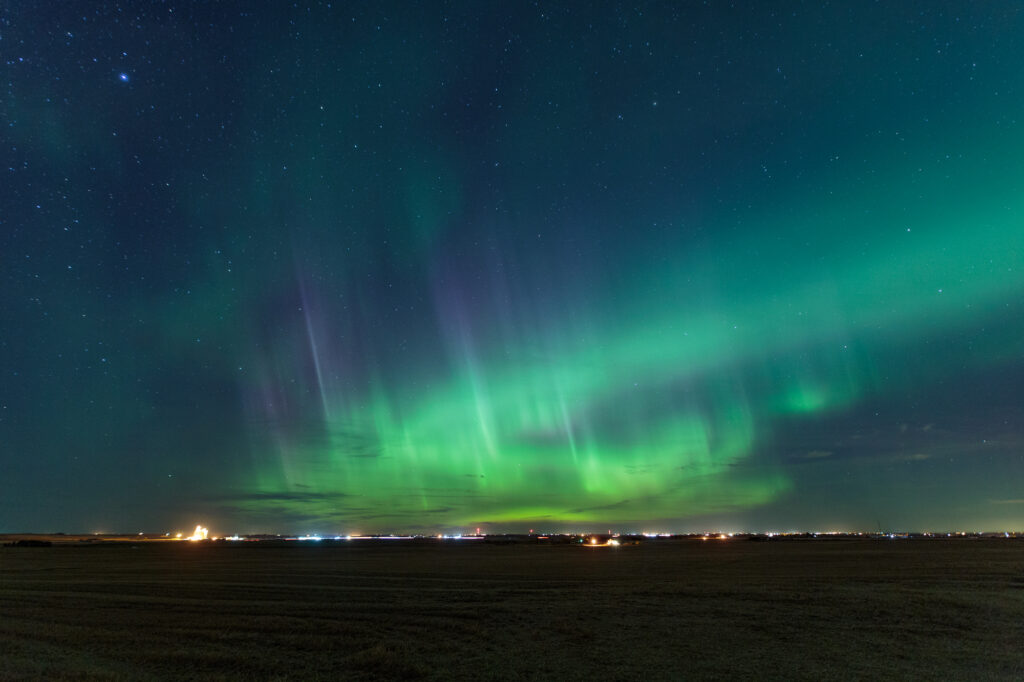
200,533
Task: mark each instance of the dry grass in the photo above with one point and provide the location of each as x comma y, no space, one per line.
788,610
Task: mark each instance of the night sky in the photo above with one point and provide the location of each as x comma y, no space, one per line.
341,268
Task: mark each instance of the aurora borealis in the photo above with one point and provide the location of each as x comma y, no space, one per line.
426,267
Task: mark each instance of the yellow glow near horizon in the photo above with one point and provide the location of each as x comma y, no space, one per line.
200,533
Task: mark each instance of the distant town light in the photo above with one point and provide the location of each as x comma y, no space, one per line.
200,533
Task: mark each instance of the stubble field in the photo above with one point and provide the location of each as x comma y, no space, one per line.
687,610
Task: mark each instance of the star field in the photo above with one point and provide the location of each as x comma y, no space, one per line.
419,268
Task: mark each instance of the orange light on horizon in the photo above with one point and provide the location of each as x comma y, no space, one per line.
200,533
594,543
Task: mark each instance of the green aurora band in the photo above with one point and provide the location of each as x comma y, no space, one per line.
646,410
528,267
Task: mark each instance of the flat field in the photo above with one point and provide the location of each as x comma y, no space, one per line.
929,609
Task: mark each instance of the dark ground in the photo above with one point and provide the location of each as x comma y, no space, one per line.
929,609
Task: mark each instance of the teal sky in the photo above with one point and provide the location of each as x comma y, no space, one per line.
432,267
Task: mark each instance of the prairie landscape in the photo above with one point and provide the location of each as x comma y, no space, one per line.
949,609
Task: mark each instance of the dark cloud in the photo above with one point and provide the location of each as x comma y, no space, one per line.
602,507
296,497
